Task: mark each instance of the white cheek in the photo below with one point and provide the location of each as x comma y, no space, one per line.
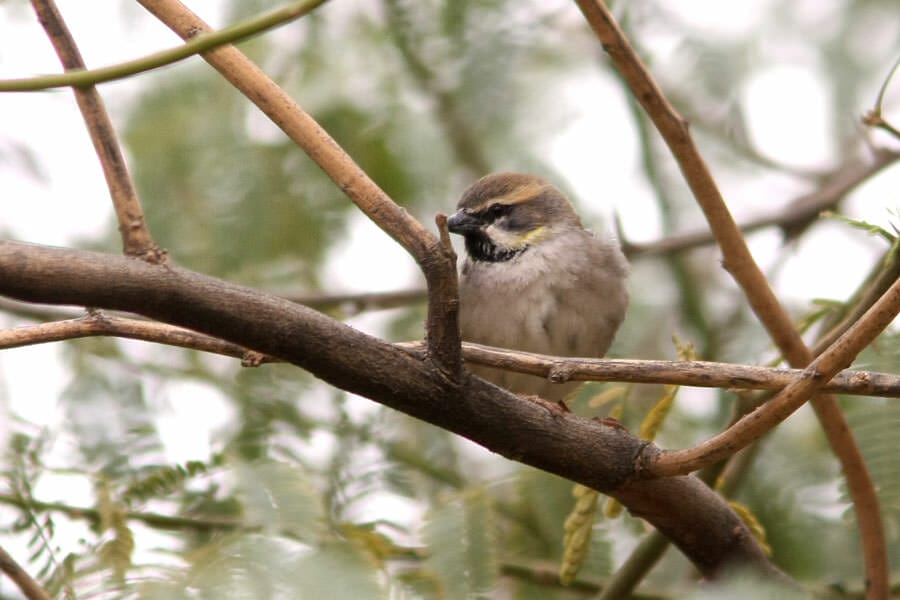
502,237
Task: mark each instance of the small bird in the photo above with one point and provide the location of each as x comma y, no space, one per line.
534,279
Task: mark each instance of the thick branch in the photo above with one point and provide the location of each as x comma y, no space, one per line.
589,452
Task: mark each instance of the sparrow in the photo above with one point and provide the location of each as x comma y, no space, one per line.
533,279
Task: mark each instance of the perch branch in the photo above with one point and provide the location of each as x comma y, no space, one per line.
136,238
438,266
739,262
595,454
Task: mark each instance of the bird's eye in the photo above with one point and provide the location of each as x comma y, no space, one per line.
495,211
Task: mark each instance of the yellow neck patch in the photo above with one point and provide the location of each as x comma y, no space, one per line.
535,235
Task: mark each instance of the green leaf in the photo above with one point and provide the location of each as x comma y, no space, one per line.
336,571
460,538
281,498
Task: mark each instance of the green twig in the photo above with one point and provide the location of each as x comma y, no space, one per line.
202,43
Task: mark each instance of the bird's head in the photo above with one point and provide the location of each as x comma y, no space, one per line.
503,214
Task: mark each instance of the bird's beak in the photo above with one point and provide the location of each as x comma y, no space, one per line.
462,223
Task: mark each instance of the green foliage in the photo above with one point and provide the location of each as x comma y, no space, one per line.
460,536
164,479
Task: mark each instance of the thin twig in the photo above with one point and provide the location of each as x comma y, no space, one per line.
26,584
235,33
798,213
883,276
351,304
433,259
546,574
98,324
136,238
344,304
739,262
156,520
627,577
839,355
874,117
691,373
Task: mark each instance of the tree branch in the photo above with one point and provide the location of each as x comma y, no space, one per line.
437,264
797,215
739,262
136,238
690,373
874,117
85,78
696,519
26,584
751,427
157,520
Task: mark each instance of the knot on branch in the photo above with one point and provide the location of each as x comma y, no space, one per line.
560,372
646,456
252,358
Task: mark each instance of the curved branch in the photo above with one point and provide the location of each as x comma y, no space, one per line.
589,452
97,324
25,582
874,116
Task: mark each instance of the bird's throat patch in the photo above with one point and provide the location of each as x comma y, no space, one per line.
483,249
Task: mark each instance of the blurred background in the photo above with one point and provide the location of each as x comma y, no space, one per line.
205,478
